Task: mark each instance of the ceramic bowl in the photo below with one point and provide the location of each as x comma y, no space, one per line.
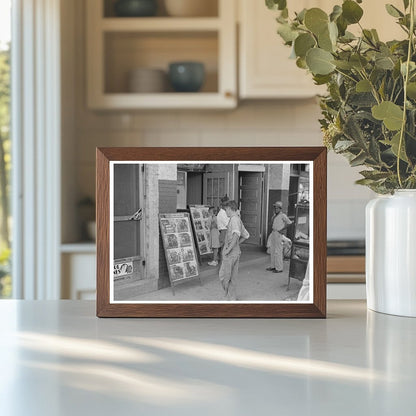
135,8
186,76
92,230
147,80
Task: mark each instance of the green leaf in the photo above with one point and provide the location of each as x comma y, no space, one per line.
336,12
365,182
319,61
276,4
303,43
358,61
353,131
358,160
375,35
384,62
343,145
393,11
388,112
363,86
287,33
316,20
342,25
374,174
406,4
321,79
394,146
351,11
301,15
344,65
301,63
347,37
411,90
325,42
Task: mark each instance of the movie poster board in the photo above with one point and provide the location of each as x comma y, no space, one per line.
201,226
179,246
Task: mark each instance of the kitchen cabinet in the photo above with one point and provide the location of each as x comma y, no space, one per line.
78,263
118,45
265,69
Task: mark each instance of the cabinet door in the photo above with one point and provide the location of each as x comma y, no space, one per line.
266,71
265,68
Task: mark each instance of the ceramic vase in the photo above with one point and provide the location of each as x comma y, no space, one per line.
391,253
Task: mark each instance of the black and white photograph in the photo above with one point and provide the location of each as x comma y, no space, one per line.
213,232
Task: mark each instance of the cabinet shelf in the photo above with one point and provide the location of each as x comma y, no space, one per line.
196,100
116,46
160,24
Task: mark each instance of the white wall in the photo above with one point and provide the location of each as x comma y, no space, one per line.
255,123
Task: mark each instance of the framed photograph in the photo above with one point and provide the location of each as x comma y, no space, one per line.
211,232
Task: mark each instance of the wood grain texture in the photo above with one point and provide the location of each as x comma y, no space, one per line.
317,309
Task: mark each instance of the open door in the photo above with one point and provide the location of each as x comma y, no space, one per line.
251,198
126,203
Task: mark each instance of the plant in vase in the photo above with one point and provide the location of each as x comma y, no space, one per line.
369,116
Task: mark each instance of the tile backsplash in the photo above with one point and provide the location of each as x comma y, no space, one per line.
253,123
256,123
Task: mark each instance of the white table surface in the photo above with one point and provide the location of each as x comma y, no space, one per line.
57,358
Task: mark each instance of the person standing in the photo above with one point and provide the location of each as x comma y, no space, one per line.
280,222
222,220
236,233
214,236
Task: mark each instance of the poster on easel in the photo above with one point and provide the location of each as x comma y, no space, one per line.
201,224
179,247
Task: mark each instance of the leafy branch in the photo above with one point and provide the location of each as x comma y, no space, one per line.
369,112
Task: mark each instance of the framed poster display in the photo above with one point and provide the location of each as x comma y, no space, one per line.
201,226
179,247
251,279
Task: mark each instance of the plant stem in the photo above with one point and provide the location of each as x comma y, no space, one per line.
405,81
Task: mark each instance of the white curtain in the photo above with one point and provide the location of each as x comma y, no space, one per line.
36,148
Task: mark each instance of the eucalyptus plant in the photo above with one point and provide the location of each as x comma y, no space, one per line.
369,111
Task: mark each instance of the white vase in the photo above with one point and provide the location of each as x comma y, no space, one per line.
391,253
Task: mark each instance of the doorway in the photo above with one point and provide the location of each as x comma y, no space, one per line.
250,191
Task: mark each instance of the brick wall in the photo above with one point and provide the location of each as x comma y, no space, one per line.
167,204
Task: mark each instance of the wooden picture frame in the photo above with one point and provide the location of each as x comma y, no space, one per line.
244,158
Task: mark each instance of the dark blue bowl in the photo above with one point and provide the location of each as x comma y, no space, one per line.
135,8
186,76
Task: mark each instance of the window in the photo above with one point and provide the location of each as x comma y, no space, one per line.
5,145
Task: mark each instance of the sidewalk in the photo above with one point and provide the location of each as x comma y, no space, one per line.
254,282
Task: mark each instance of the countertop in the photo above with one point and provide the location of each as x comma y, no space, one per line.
57,358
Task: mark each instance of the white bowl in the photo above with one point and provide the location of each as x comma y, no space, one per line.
92,230
147,80
191,8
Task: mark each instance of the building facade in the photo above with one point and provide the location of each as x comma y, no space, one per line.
143,191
